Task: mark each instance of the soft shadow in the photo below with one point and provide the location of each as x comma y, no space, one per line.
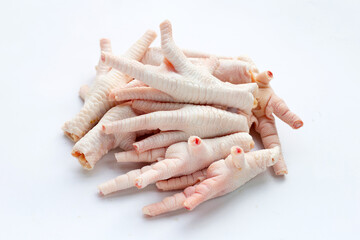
68,140
211,208
172,214
257,139
213,205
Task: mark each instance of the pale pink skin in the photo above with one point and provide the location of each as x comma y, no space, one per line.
141,93
269,103
233,71
184,81
95,144
177,125
180,159
155,57
148,156
96,102
157,140
222,177
164,139
179,183
101,68
185,77
135,83
229,70
160,140
83,92
77,127
154,106
136,89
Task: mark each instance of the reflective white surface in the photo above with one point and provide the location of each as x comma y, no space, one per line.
48,50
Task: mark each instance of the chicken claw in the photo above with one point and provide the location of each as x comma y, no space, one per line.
269,103
182,80
180,159
222,177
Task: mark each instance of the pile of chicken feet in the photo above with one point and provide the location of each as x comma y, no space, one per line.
187,113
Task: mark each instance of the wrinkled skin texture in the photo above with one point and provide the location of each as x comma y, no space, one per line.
179,124
269,103
234,70
180,159
173,78
180,183
96,102
83,92
184,81
138,90
160,140
221,177
164,139
148,156
96,144
229,70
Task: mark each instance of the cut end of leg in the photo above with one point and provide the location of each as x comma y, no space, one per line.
252,145
263,78
194,141
298,124
236,150
72,136
82,160
136,147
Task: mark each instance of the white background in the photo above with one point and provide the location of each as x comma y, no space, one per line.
49,49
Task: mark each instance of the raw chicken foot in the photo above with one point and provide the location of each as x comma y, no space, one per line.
269,103
96,102
96,143
184,81
234,70
222,177
184,121
180,159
